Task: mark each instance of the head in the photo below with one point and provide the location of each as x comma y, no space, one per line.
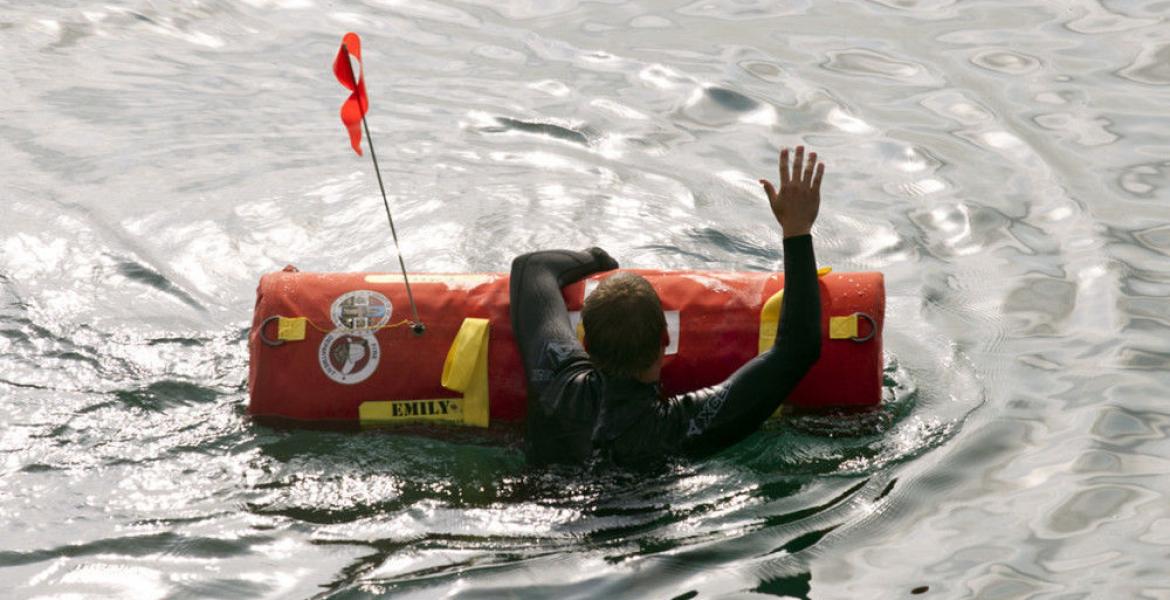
625,330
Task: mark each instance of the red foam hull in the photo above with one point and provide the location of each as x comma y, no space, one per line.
718,330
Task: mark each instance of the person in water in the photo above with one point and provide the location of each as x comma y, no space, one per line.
603,400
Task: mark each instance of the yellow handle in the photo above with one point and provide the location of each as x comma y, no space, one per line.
290,329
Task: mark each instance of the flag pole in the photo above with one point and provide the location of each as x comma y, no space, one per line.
417,325
351,47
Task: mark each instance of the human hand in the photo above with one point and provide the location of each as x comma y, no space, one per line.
602,259
796,204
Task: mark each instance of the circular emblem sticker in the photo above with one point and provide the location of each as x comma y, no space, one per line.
361,309
349,357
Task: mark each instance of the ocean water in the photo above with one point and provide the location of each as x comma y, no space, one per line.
1006,164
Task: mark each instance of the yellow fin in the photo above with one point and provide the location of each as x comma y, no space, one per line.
463,357
770,320
465,370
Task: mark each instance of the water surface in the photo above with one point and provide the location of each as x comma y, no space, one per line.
1005,164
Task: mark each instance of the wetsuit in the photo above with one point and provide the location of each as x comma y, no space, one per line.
577,413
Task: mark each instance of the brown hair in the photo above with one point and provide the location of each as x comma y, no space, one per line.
624,325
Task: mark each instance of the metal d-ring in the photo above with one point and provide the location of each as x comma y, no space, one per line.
263,338
872,328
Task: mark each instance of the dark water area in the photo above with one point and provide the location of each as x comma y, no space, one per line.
1005,164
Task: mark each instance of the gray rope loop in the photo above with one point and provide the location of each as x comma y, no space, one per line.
264,338
872,328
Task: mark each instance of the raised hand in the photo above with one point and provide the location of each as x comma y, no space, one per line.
798,201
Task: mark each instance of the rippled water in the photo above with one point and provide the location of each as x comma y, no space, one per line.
1006,164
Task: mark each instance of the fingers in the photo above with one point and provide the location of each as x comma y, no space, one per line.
809,174
769,189
806,177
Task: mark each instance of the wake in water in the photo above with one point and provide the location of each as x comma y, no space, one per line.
455,506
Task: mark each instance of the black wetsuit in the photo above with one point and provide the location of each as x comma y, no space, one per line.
577,413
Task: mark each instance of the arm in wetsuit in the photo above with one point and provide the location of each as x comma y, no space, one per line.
559,417
716,417
558,424
708,420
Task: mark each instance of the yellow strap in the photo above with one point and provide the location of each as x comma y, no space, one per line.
290,329
843,328
465,370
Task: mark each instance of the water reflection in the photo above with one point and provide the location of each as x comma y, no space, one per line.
1006,169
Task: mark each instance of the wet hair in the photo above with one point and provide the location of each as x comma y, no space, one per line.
624,325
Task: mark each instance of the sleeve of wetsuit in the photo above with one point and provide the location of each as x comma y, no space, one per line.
540,319
716,417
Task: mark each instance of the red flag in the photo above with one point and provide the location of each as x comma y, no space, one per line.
356,106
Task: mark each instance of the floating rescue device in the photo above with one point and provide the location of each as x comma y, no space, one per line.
333,347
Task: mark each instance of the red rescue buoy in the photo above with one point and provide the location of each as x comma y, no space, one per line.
335,347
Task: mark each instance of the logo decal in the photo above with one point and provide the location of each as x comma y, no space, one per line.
710,408
361,309
349,357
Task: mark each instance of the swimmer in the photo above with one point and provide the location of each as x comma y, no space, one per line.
602,400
